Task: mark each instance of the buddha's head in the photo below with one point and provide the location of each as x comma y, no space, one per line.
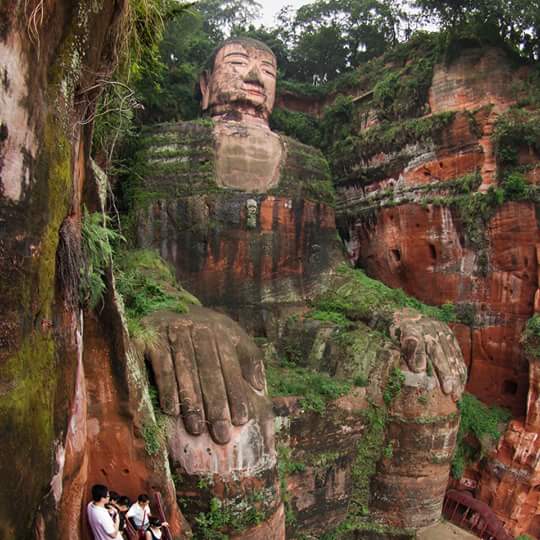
240,81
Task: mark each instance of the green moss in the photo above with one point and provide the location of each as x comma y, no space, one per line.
393,385
365,299
55,165
170,161
147,284
305,175
29,376
368,453
315,389
223,518
479,423
386,137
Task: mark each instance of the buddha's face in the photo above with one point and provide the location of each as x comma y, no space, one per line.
243,79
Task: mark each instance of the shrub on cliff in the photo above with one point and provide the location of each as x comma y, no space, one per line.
530,338
97,241
479,429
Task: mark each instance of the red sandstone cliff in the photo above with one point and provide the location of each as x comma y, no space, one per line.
413,222
70,409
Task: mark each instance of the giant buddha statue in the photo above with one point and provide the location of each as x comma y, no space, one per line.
241,212
245,217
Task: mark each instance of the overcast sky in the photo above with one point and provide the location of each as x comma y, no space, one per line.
271,8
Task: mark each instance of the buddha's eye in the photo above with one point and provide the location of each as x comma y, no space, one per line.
237,63
271,73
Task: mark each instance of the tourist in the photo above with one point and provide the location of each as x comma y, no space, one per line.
103,526
154,529
123,505
139,513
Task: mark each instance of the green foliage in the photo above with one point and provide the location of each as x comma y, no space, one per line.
137,75
154,436
481,424
514,130
147,284
315,389
393,385
287,466
329,316
301,126
97,248
369,300
402,94
223,518
387,137
361,381
337,120
510,22
329,37
516,188
531,337
524,537
475,210
368,452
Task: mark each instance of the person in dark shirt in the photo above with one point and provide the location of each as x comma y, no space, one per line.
123,503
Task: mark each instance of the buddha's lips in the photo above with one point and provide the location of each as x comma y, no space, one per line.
253,89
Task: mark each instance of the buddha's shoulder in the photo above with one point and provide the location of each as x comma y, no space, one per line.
194,132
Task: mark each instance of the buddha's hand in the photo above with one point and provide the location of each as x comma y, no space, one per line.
211,383
429,345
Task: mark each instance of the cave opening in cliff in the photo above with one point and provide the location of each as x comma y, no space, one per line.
510,387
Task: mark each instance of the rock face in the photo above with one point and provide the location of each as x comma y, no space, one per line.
219,423
75,393
73,400
423,250
425,243
437,217
44,152
377,458
254,255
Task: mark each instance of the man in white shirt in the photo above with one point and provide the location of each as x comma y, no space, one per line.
103,526
139,513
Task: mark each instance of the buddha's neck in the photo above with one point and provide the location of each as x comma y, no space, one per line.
245,116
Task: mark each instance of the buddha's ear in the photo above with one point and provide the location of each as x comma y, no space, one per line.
204,83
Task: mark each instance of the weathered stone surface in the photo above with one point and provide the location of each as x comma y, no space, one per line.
241,82
424,251
410,228
248,157
252,262
218,419
385,446
251,254
50,56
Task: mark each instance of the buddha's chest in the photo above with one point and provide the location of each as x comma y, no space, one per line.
248,158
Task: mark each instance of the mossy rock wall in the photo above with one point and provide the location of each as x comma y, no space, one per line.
39,187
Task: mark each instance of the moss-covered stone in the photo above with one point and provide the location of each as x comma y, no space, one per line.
178,159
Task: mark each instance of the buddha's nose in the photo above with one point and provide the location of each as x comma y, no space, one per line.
254,76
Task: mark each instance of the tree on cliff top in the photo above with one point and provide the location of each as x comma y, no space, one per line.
329,37
517,22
